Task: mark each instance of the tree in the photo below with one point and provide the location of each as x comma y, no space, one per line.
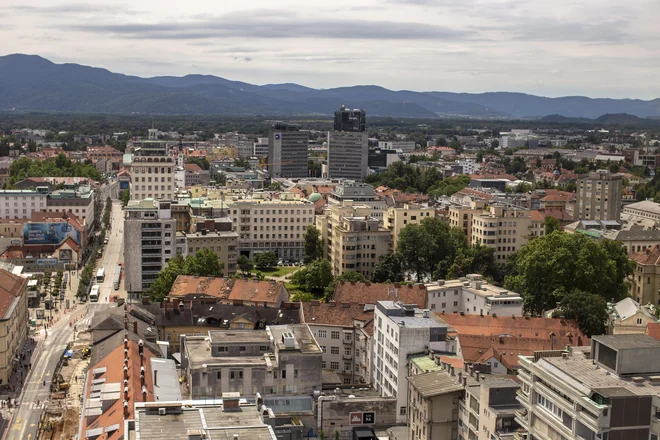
125,197
588,309
389,269
313,247
551,225
415,250
165,280
314,277
474,259
265,260
245,265
242,162
548,267
203,263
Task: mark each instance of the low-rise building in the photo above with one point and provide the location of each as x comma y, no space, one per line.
473,294
645,285
278,360
370,293
228,291
629,317
191,174
78,200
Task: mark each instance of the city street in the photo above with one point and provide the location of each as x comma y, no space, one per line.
51,342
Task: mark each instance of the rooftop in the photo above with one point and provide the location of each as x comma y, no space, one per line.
371,293
435,383
239,337
625,342
522,327
11,288
644,205
343,314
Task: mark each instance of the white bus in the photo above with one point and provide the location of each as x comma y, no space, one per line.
94,293
100,275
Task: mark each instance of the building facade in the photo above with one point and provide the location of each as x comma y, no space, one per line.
645,280
20,204
395,219
287,151
505,229
13,322
149,242
152,171
79,201
356,245
598,196
348,154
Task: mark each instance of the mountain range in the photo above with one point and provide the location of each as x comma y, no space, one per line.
32,83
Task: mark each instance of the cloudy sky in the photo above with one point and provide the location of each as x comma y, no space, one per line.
598,48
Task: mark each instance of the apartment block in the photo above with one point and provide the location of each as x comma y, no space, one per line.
77,200
280,360
13,321
395,219
20,204
332,217
606,391
265,223
358,193
152,171
287,151
473,295
599,196
348,154
339,329
356,245
260,148
149,242
505,229
400,331
460,216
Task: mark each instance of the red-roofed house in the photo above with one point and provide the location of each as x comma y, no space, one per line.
370,293
191,174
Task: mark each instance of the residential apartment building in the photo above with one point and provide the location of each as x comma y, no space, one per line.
340,330
13,321
359,193
357,243
77,200
20,204
400,331
332,218
149,242
606,391
287,151
270,224
395,219
260,148
152,171
282,359
598,196
460,216
645,280
472,295
505,229
223,243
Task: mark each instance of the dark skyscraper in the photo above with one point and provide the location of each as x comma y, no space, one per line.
350,120
287,151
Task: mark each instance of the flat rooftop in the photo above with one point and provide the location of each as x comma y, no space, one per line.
622,342
199,355
239,337
304,341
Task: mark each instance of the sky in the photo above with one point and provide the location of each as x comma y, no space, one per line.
596,48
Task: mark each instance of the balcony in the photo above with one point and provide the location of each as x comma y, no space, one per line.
347,357
348,342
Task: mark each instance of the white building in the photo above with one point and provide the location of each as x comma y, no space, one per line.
472,295
400,331
260,148
470,166
152,171
20,204
404,146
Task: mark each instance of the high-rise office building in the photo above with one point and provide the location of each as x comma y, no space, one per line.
599,196
348,145
287,151
152,170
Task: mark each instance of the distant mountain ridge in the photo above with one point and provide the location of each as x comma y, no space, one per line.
32,83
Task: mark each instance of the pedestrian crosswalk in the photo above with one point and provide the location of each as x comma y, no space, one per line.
34,404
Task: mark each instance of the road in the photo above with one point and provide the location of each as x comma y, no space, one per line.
25,419
111,189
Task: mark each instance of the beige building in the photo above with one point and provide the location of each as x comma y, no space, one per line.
503,228
489,408
332,216
460,216
645,286
13,321
395,219
629,317
152,171
223,243
599,196
357,243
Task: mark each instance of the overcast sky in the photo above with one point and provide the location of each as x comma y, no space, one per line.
598,48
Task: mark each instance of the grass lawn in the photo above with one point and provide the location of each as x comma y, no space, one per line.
279,271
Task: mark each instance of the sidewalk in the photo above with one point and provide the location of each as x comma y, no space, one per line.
12,390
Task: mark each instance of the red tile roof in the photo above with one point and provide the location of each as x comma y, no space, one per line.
653,330
521,327
371,293
650,256
11,287
258,291
200,286
193,167
537,216
344,314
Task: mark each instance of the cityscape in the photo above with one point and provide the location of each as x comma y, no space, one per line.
396,221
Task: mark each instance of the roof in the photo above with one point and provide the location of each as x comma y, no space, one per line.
645,205
653,330
68,217
626,308
193,167
521,327
623,342
435,383
71,243
257,291
343,314
109,368
537,216
185,285
649,256
11,288
371,293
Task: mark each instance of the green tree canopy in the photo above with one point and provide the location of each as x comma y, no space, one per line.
59,166
388,269
475,259
548,267
265,260
313,247
245,265
314,277
588,309
203,263
551,225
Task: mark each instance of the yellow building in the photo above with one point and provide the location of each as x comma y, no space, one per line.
13,320
646,278
503,228
398,218
460,216
357,243
332,216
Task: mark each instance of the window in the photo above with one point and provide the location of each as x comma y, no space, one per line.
334,350
334,365
402,411
334,334
323,348
323,365
241,348
348,351
639,321
283,374
323,334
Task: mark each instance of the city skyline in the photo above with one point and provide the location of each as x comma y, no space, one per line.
595,49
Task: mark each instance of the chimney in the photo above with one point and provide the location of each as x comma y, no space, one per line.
460,376
465,381
125,343
476,376
155,378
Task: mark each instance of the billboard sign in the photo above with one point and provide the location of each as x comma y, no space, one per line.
49,233
46,261
66,255
355,418
362,418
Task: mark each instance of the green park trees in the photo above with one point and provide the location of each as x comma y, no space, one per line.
313,247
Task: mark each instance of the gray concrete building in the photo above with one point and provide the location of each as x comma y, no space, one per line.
348,154
281,360
287,151
599,196
149,242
